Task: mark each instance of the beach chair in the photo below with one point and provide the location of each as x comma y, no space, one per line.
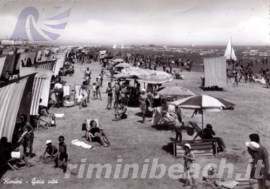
199,147
8,163
200,134
196,128
66,90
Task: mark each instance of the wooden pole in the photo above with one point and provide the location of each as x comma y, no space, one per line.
202,118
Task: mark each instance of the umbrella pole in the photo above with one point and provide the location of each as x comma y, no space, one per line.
202,119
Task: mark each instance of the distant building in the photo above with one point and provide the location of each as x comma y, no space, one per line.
7,42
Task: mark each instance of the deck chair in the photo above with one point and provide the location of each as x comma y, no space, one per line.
87,134
196,128
159,119
200,134
199,148
66,90
7,163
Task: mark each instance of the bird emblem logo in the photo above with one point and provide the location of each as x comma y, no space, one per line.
28,28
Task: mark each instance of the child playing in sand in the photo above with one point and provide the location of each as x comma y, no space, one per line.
189,159
51,150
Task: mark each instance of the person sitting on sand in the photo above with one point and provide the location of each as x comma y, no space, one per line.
121,113
96,132
7,152
51,150
67,102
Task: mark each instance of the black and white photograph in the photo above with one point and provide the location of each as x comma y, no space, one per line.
133,94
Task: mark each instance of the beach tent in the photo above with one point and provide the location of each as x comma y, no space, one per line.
215,72
229,52
11,96
41,87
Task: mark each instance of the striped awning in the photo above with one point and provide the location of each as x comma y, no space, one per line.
41,87
10,100
37,91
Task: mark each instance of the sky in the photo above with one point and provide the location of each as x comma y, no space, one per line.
158,22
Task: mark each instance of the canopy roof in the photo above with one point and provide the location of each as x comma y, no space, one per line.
123,65
145,75
176,91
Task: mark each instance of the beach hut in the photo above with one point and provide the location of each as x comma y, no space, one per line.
12,95
41,87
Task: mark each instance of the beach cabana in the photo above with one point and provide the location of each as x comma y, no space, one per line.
14,96
41,87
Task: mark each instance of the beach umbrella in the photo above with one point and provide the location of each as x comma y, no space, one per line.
123,65
204,103
118,60
176,91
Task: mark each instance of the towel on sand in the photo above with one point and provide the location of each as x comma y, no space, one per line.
82,144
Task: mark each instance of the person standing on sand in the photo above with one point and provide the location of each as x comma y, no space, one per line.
109,91
189,159
117,89
262,155
143,104
98,85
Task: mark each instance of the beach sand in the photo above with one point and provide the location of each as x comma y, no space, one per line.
135,142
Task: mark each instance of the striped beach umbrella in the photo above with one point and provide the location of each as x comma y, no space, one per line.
204,103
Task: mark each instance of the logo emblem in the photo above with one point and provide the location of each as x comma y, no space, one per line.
27,27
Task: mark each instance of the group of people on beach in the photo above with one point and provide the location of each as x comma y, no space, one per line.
238,72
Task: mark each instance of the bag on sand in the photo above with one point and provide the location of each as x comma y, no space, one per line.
84,127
